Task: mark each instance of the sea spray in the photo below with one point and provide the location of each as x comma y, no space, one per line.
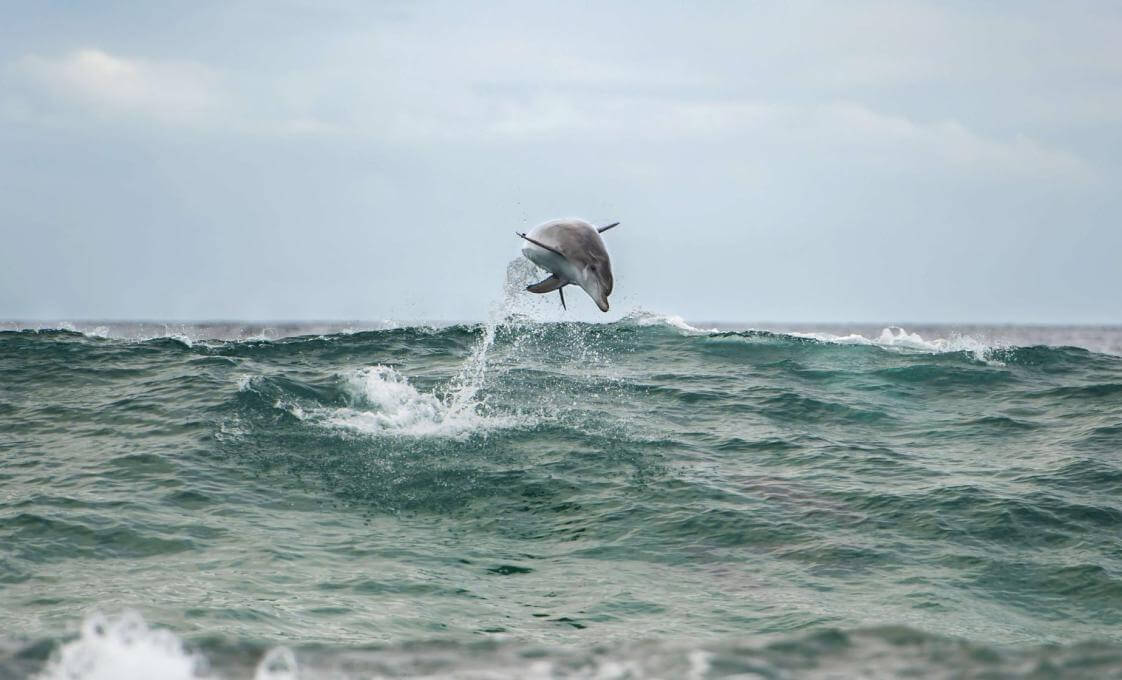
461,393
382,401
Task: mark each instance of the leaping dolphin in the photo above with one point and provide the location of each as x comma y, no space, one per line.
572,251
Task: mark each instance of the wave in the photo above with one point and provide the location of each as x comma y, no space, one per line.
125,647
425,487
890,337
990,342
203,333
896,338
644,319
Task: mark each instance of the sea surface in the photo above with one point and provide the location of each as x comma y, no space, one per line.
645,498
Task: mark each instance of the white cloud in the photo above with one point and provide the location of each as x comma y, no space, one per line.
99,82
93,82
511,89
560,114
952,143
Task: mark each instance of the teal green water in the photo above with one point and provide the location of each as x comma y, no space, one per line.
634,499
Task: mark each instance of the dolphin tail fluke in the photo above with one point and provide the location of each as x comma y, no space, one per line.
561,292
546,285
603,229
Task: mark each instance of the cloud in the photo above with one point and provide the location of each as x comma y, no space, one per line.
951,143
93,83
105,84
402,95
560,114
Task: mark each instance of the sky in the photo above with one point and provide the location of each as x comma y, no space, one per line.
784,161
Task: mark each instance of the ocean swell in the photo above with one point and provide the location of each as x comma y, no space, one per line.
644,498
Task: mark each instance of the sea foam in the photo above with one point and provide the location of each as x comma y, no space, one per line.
124,647
891,337
894,337
384,402
643,318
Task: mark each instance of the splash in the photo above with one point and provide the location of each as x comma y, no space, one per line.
461,397
395,404
124,647
383,402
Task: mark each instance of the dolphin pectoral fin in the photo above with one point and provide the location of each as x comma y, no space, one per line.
561,292
539,244
603,229
547,285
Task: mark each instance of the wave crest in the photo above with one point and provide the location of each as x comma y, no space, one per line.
894,337
381,401
646,319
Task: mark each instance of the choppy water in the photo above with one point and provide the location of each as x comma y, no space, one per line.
523,499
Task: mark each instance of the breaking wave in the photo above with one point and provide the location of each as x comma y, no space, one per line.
124,647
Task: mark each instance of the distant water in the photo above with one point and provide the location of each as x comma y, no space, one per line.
520,499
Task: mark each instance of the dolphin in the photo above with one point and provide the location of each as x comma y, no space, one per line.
572,251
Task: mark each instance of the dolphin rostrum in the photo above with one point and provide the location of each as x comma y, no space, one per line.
572,251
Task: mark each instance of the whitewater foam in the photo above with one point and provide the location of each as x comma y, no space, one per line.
124,647
891,337
894,337
383,402
643,318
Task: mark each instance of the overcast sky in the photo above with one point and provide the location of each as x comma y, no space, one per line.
786,161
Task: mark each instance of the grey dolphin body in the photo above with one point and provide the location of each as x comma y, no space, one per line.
572,251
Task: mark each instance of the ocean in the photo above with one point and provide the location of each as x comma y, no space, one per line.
645,498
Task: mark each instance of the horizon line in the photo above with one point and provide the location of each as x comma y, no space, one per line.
407,321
